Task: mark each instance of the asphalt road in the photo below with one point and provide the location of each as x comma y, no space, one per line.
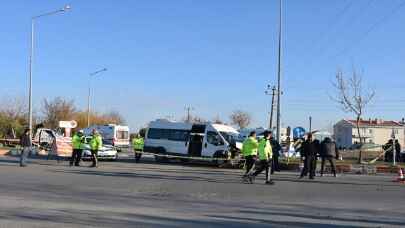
124,194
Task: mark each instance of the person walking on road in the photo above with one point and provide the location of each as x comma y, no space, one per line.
265,157
310,151
96,143
249,151
276,154
329,152
77,144
26,144
138,144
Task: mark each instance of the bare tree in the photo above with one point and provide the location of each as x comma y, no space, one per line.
56,110
13,117
240,118
112,117
352,98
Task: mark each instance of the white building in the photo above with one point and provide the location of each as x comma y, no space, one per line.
373,131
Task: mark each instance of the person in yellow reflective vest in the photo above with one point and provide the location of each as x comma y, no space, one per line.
249,151
265,157
96,143
137,144
77,144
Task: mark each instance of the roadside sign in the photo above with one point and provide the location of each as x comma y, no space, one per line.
68,124
298,132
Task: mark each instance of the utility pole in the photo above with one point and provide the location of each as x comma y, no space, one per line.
89,94
310,124
273,94
394,158
279,72
189,109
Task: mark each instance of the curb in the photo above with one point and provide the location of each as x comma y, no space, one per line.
349,168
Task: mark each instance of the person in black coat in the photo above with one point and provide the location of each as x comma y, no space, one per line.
329,152
276,154
397,151
310,151
389,152
26,144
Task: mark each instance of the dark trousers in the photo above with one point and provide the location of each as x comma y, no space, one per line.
275,165
331,162
309,167
249,162
76,157
264,165
304,171
94,157
138,155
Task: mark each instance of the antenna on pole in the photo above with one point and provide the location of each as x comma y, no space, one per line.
271,92
188,110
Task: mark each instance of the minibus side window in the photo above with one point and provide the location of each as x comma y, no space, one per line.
214,138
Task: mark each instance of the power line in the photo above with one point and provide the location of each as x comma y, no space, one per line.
336,20
351,20
372,28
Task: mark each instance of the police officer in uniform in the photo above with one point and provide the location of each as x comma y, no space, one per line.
138,144
265,157
249,151
77,144
96,143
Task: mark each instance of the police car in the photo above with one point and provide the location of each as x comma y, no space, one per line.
106,152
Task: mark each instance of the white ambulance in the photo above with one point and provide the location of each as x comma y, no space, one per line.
115,135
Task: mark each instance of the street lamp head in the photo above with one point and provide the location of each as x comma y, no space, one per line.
66,8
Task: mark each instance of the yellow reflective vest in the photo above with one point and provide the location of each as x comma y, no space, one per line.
96,142
265,150
249,147
77,142
138,143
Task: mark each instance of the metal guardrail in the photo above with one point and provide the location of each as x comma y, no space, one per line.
10,142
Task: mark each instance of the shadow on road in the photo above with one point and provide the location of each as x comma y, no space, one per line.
149,176
77,218
196,176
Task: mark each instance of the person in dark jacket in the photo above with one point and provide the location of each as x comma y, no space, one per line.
276,148
388,151
317,146
25,143
310,150
397,151
329,152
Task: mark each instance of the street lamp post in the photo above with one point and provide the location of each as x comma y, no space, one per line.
64,9
279,70
89,95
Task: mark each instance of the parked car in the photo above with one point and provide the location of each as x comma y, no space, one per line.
107,152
